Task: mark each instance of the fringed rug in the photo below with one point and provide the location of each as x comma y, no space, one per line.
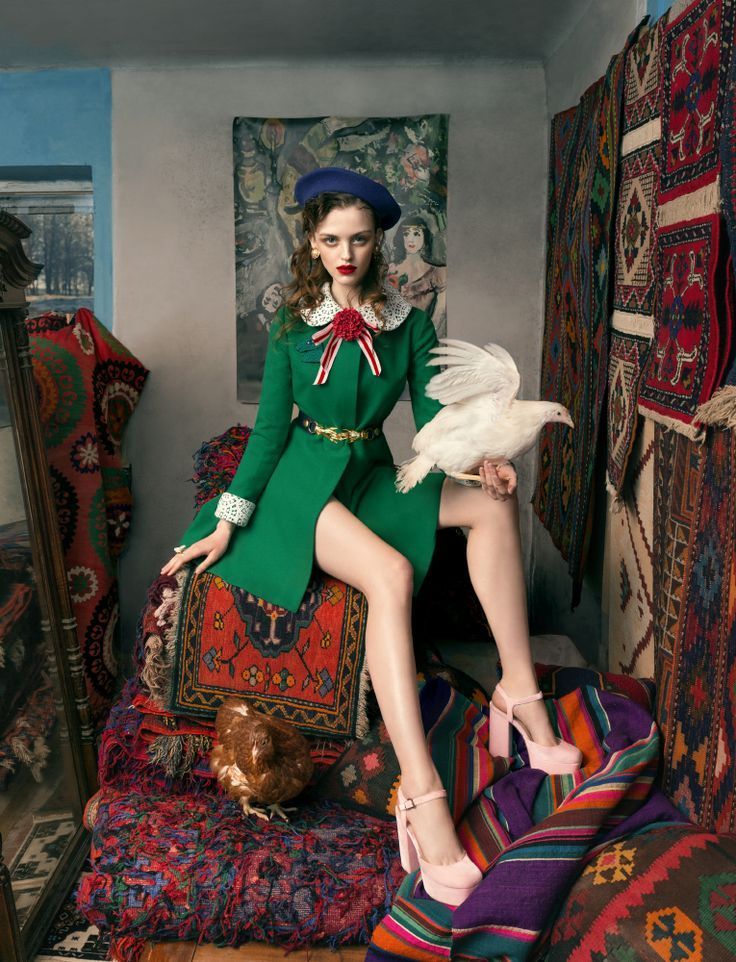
88,385
700,745
696,52
693,333
192,867
629,565
666,893
677,462
575,352
634,290
720,410
306,667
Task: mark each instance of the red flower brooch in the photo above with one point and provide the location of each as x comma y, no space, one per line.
346,325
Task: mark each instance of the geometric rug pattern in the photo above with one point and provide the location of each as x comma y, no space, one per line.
34,863
629,565
665,894
699,772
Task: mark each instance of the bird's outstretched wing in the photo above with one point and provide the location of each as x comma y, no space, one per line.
473,370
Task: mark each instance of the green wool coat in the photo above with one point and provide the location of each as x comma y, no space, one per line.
290,474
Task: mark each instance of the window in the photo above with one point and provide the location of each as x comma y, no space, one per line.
57,204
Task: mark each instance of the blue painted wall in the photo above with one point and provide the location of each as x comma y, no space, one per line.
655,8
51,118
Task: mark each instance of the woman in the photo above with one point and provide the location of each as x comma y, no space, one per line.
343,347
415,275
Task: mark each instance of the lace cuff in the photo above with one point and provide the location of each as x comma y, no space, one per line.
230,507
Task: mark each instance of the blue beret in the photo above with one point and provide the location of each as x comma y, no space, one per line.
339,179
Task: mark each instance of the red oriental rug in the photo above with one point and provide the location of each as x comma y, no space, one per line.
307,667
692,337
696,52
88,386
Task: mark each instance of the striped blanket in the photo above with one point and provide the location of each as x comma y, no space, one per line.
530,833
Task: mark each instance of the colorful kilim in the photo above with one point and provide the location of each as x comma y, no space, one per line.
629,565
634,249
676,468
575,353
696,52
721,408
626,361
184,866
307,667
556,682
700,747
633,290
88,385
367,775
642,84
668,893
693,331
532,833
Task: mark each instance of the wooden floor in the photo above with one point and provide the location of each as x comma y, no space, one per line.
251,952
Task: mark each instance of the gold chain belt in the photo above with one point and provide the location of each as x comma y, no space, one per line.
336,434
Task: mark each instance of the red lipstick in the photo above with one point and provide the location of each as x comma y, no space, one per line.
347,269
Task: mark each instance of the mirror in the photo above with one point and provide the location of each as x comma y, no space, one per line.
40,804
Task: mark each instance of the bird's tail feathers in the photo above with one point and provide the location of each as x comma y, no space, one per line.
413,471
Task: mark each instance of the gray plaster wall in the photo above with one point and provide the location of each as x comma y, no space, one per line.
580,59
173,248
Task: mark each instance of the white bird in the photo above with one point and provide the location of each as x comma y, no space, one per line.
481,420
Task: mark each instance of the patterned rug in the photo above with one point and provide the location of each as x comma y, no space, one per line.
629,566
519,830
665,894
627,357
37,858
700,746
696,52
721,408
192,867
89,385
575,351
632,321
677,463
692,339
307,667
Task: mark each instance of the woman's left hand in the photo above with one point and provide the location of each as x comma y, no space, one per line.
498,480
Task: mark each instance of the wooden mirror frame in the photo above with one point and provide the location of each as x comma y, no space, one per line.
58,621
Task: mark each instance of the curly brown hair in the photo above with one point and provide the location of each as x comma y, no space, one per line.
305,291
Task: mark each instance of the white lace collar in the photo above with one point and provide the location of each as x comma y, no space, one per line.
395,310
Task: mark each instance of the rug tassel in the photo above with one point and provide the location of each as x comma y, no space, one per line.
720,410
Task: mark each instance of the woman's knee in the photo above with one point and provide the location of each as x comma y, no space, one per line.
394,575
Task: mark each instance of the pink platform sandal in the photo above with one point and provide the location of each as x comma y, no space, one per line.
560,759
450,884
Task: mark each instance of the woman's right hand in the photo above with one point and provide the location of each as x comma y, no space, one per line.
212,547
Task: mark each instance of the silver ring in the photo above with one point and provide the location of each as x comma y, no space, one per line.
179,548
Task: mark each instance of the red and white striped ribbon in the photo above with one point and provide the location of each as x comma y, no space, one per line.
364,339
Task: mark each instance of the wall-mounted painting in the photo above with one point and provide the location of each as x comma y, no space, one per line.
407,154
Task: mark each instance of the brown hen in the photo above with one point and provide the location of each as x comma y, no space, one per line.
259,758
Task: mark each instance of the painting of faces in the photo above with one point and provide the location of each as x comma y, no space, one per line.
406,154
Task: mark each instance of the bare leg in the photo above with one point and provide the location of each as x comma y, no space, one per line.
349,550
497,575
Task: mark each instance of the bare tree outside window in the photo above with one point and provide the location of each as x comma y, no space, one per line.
60,213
